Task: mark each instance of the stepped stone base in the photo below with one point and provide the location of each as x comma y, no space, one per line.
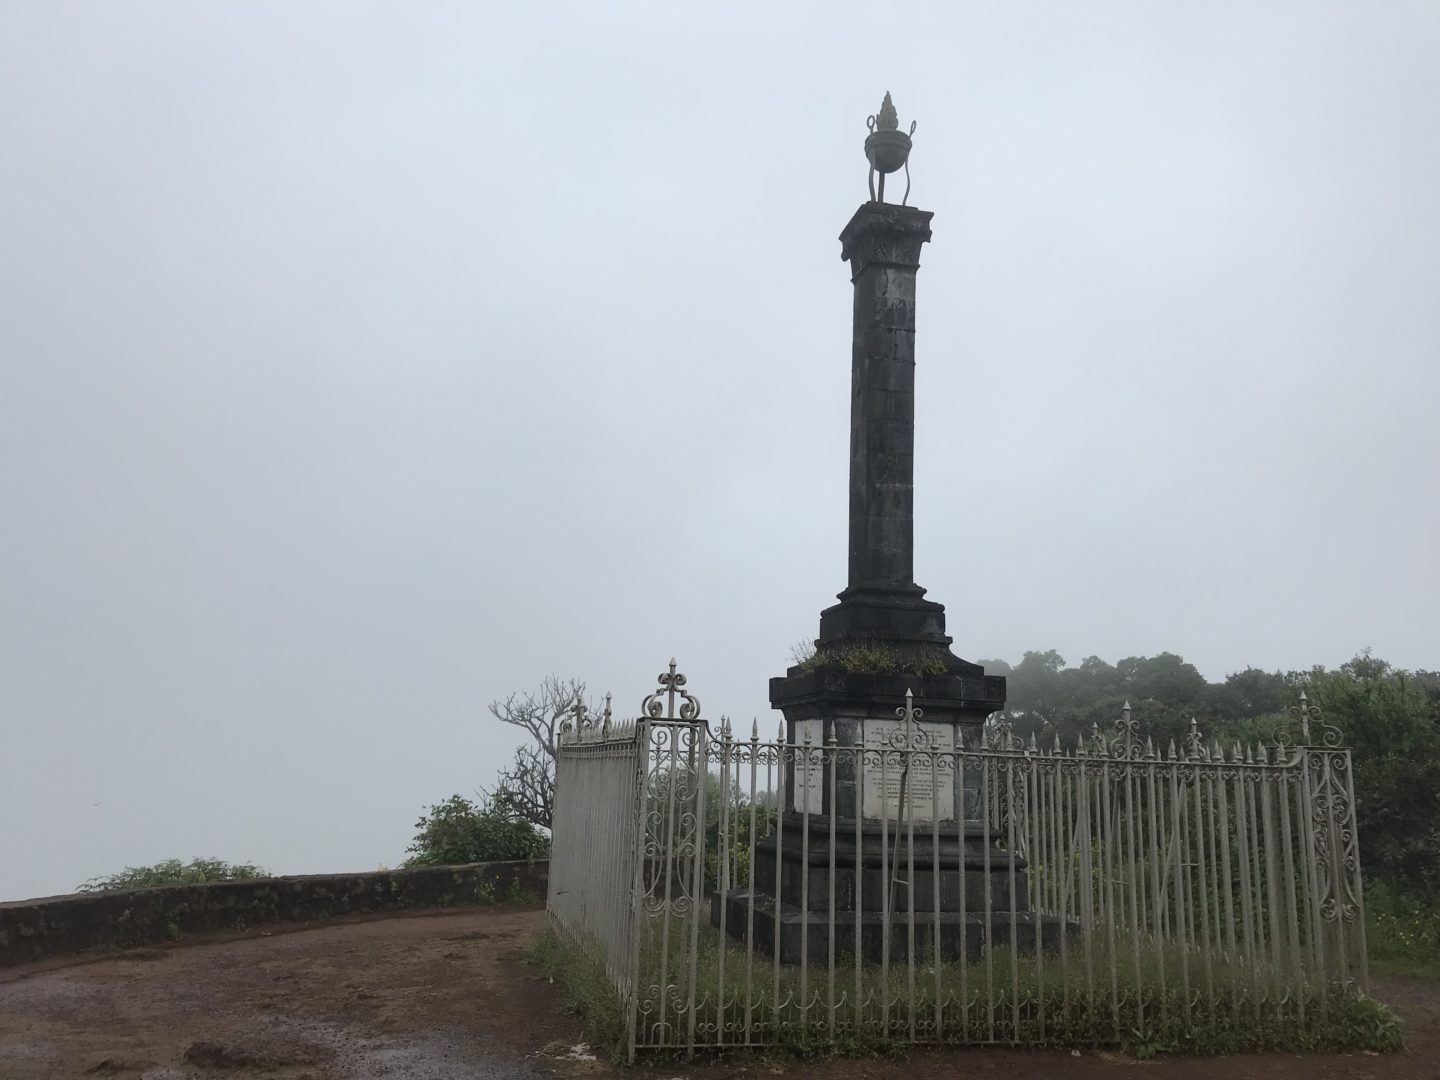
807,934
864,872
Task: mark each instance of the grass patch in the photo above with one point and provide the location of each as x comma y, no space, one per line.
586,989
1403,935
1171,1002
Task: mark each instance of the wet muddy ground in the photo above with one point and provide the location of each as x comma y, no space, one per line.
454,995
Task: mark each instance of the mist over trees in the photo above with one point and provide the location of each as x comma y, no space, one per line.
1389,717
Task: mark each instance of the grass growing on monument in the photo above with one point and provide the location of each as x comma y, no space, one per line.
1007,998
876,658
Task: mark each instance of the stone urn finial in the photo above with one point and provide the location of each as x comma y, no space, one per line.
887,148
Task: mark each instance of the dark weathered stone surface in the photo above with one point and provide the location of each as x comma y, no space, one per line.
882,604
840,700
35,929
863,872
883,244
964,936
881,601
882,639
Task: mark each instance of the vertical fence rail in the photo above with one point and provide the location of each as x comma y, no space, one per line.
593,860
972,892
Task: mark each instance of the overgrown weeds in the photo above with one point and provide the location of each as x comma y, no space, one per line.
1168,1002
1403,933
877,658
587,990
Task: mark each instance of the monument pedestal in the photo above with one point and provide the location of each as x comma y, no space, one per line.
908,826
983,895
868,869
860,713
962,936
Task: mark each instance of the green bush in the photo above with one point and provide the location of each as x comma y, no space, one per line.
460,831
1393,723
174,872
1402,932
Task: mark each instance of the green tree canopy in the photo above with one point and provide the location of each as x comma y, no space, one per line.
459,831
174,872
1390,719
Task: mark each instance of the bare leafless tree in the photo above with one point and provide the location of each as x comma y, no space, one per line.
529,781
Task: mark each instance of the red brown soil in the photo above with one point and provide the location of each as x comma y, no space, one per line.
453,995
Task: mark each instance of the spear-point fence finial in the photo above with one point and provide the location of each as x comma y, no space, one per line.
1314,731
1194,742
1128,730
909,736
672,683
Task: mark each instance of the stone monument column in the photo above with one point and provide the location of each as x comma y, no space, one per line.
882,245
883,637
881,640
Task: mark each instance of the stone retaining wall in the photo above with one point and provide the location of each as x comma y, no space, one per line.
35,929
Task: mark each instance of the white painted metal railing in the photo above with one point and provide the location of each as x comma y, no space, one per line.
594,840
1083,894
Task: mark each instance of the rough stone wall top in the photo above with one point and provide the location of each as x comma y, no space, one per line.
35,929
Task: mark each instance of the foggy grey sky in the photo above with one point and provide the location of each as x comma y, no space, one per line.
362,363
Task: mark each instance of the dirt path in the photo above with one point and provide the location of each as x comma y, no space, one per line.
451,996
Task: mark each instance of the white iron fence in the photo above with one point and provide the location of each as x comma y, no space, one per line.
1003,892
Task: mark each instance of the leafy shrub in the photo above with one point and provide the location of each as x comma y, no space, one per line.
460,831
174,872
1402,932
1393,724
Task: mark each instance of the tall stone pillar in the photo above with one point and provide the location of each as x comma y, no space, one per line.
882,639
882,244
